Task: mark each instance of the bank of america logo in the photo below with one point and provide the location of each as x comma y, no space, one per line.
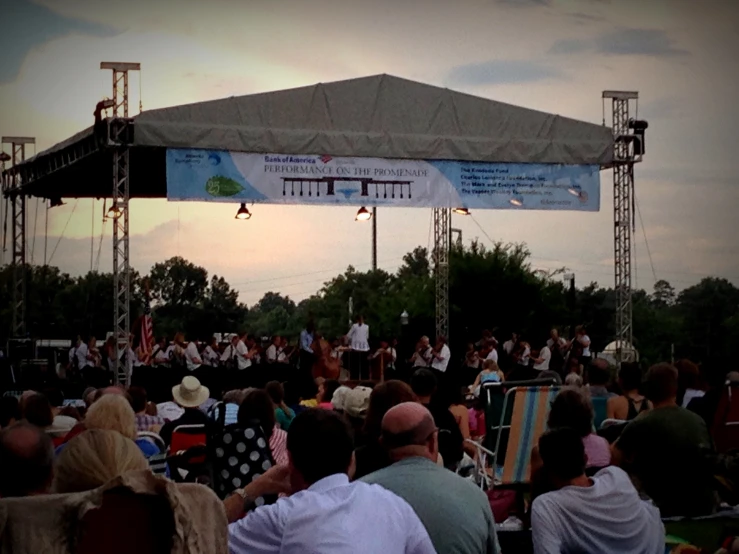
325,158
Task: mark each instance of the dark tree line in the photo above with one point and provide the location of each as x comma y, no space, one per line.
490,288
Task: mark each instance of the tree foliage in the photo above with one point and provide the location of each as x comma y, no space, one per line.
490,288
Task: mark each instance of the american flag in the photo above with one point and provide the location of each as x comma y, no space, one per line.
146,332
326,158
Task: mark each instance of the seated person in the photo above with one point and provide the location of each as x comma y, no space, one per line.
325,512
139,403
283,413
424,385
189,395
667,451
490,373
230,406
599,514
573,410
630,404
598,377
93,458
26,460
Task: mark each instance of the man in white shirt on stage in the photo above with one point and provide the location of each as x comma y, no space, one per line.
192,356
541,363
440,360
242,354
272,351
358,337
326,513
84,356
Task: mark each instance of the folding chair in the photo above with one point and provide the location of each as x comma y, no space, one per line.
600,405
188,461
185,437
531,407
725,427
153,438
499,411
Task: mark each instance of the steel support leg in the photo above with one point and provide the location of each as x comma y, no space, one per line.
442,217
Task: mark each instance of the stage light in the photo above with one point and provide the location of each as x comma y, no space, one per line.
461,211
517,201
115,212
243,212
363,214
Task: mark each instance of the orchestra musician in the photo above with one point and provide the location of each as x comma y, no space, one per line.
325,366
211,355
286,353
579,347
557,346
382,361
423,355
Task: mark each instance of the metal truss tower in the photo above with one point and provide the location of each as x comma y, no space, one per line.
119,135
629,149
11,185
442,235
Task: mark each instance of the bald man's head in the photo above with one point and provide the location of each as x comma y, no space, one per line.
26,460
408,430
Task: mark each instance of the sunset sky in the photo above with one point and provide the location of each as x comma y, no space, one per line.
550,55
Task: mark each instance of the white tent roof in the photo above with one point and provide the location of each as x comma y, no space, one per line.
379,116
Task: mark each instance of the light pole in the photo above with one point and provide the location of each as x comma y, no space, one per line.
363,214
374,238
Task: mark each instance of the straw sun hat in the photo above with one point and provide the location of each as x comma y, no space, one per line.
190,393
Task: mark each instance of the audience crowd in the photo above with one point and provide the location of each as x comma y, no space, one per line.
389,466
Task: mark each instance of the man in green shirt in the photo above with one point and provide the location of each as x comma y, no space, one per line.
667,451
455,512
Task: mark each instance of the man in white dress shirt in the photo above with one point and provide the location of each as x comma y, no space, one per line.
326,513
440,361
541,363
243,359
358,337
192,356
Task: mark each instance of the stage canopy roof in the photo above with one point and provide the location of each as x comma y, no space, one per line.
380,116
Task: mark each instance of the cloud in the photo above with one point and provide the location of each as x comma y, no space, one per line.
27,26
624,42
582,18
526,3
662,108
501,72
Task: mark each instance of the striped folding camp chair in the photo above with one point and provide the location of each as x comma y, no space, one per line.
531,407
499,412
158,463
600,408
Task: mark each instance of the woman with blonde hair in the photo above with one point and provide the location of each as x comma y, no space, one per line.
113,412
490,373
93,458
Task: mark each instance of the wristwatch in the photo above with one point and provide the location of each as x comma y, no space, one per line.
249,502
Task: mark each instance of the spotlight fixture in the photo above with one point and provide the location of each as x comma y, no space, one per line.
243,212
461,211
517,200
115,212
363,214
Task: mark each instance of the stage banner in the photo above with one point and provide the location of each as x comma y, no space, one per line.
209,175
